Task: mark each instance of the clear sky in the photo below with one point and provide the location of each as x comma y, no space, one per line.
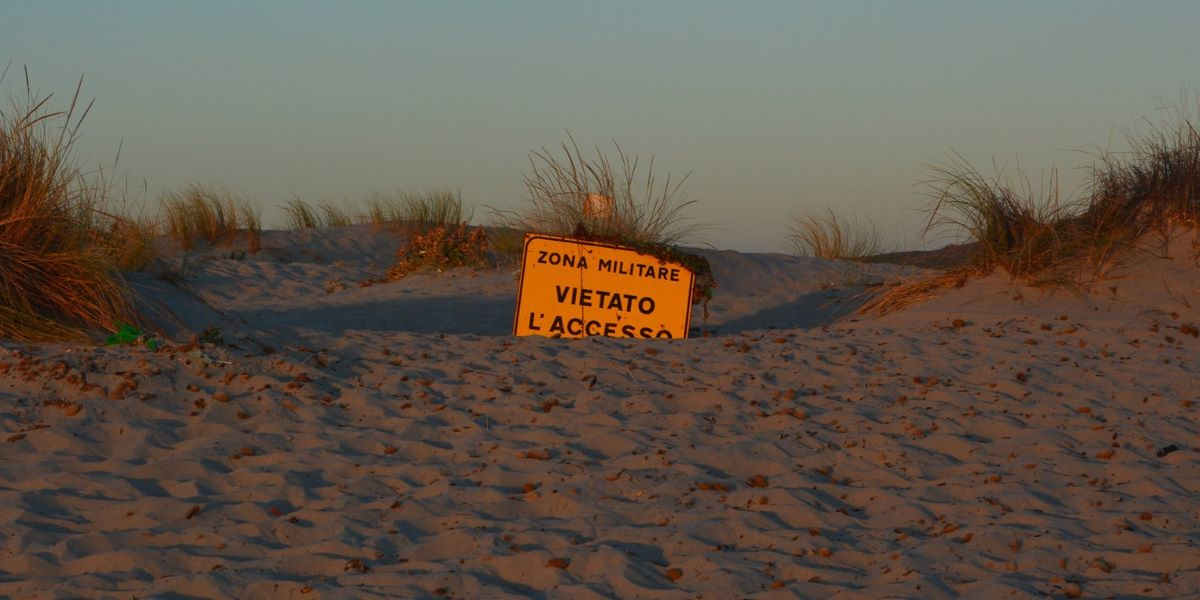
772,106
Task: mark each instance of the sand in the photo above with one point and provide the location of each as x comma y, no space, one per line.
395,440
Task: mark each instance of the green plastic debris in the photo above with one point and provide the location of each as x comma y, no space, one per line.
127,334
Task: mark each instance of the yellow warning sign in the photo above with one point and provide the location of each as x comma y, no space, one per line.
574,288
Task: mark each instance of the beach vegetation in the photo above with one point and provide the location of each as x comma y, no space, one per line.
599,197
1151,188
1011,226
334,215
831,236
58,277
426,211
131,241
401,211
1154,185
250,216
417,212
208,213
301,215
441,248
382,210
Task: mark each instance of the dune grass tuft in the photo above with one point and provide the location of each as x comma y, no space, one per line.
633,209
204,213
335,215
301,215
250,217
1152,188
1155,184
417,212
1038,238
382,210
58,279
440,237
832,236
407,211
428,210
1013,227
131,241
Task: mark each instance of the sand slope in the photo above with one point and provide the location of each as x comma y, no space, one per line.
395,441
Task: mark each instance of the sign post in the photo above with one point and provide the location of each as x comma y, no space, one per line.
575,288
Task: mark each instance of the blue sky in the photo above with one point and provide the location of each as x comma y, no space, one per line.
773,107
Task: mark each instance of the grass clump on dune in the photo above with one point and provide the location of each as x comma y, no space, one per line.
250,217
432,209
1152,188
58,279
414,211
406,211
637,211
301,215
210,214
1155,184
831,236
382,210
132,242
438,235
333,215
440,248
1013,227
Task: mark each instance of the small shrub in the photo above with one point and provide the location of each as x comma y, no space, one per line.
828,235
1153,187
441,248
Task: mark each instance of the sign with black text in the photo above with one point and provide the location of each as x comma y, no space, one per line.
575,288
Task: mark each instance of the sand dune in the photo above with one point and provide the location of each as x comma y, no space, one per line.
395,441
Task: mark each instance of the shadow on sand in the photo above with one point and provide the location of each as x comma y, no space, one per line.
809,311
485,315
480,315
493,316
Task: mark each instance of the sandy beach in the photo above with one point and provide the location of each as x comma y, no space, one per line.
396,440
